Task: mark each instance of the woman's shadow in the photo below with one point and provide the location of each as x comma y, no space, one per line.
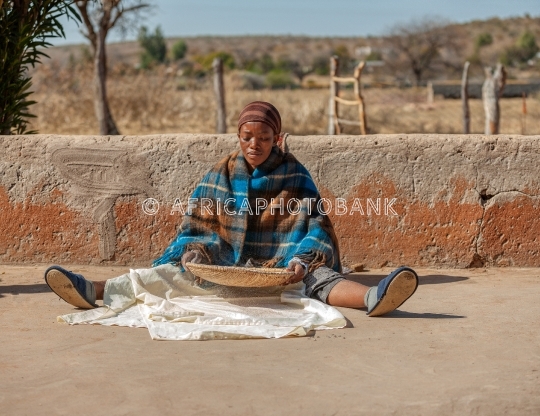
23,289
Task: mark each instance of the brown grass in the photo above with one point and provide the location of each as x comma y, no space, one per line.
155,102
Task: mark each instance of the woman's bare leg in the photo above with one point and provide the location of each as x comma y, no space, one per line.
347,294
100,288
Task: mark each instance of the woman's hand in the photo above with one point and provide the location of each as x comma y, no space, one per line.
298,270
192,256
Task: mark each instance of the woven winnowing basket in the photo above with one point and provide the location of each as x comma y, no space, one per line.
240,276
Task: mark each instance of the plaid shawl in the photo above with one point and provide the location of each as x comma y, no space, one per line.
270,238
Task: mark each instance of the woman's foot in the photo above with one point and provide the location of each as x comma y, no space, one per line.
391,292
71,287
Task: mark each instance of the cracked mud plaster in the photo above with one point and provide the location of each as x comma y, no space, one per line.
462,201
437,233
510,230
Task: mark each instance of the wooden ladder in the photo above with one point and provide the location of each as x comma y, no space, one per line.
333,116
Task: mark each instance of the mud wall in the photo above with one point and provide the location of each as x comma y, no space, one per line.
430,200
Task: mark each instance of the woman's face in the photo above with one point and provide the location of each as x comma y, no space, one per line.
256,141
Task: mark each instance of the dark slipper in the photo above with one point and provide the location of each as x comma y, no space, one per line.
394,290
71,287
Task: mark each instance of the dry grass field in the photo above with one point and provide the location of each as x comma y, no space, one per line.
157,102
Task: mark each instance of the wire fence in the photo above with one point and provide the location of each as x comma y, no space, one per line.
411,111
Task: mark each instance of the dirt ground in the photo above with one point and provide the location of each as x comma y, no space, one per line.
468,342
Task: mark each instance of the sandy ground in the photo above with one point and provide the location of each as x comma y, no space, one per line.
468,342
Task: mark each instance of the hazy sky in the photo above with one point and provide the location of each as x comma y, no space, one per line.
308,17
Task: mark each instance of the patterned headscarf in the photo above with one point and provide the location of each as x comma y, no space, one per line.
263,112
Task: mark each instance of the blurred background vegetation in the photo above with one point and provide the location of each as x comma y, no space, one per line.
159,84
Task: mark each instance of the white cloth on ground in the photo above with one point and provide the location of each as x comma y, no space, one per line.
166,301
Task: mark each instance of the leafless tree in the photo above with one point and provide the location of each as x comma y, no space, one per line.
419,44
99,17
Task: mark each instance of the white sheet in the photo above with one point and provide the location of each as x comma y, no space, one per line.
166,302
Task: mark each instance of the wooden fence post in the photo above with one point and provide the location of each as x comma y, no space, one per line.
333,125
491,92
219,90
523,113
358,92
430,94
465,99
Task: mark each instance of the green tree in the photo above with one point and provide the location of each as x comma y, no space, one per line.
483,39
346,63
524,49
25,27
261,65
279,79
154,47
179,50
266,63
374,56
527,44
286,64
206,60
321,65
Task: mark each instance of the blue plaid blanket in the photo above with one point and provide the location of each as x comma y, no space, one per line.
269,216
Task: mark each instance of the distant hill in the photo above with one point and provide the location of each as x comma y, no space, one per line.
304,50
